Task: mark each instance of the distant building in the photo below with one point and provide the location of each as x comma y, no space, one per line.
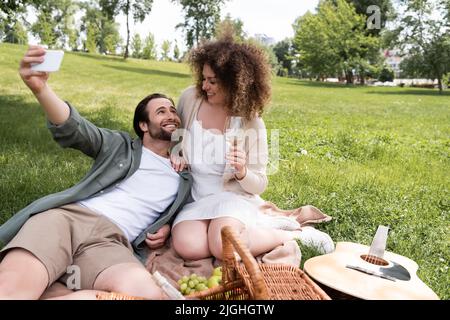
265,39
393,60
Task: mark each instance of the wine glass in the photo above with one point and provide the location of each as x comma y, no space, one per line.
233,137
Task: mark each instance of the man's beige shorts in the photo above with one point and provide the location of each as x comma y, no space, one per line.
73,239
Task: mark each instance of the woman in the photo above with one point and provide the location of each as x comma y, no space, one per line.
232,79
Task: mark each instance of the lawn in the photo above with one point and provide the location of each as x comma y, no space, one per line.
375,156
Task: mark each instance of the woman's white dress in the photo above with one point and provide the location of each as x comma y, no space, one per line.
206,151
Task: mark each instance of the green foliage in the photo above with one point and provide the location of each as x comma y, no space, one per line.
55,23
11,21
139,10
91,38
136,46
446,79
284,52
423,33
44,29
386,74
176,52
334,41
102,34
149,51
200,19
165,49
384,8
16,34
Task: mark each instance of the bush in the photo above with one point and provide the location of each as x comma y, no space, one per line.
386,74
446,79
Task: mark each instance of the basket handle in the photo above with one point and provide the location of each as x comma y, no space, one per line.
231,242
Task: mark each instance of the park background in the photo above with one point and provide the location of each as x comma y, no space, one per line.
352,143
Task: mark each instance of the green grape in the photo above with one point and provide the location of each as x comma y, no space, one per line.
191,284
185,279
183,286
193,276
200,287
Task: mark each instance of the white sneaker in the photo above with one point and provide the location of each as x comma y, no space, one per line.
315,238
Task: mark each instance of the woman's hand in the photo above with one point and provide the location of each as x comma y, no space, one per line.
178,163
158,239
35,80
237,158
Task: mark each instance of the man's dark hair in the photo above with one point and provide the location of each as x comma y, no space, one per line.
141,114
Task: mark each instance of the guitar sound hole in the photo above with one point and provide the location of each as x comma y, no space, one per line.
374,260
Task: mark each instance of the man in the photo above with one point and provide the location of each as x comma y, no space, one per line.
95,225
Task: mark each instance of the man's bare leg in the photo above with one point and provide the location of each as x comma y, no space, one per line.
22,276
127,278
131,279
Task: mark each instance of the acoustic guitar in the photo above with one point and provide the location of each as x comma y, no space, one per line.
369,273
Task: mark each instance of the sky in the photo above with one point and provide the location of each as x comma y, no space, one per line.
271,17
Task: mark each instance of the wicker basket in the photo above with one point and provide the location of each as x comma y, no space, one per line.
251,280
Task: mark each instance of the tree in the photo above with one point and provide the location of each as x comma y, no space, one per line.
102,33
44,28
200,19
176,52
284,52
139,10
149,51
423,35
165,48
313,46
231,27
334,41
16,34
91,38
136,46
11,12
55,22
109,37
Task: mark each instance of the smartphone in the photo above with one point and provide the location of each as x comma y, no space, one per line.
52,61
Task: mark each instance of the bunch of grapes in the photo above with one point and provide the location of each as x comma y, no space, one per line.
195,283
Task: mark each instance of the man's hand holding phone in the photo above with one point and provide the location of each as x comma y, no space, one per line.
36,64
35,80
56,109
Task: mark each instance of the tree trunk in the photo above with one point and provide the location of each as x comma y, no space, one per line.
440,84
127,12
349,77
362,78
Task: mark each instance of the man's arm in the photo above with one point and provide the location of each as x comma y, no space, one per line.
57,110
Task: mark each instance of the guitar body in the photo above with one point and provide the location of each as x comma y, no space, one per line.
400,281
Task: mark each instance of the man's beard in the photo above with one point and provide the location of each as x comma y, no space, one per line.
158,133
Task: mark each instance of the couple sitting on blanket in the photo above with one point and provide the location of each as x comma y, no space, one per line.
136,193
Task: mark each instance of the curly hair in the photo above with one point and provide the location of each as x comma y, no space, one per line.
243,72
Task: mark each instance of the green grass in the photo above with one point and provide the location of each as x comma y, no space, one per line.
375,155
